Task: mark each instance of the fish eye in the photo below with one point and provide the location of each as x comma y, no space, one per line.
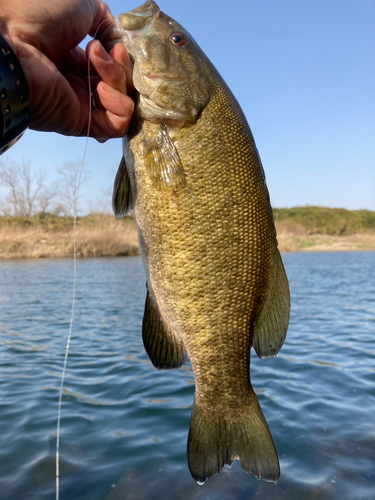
177,39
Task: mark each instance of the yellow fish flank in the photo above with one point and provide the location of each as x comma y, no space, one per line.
192,176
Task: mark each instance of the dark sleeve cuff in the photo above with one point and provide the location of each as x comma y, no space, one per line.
14,98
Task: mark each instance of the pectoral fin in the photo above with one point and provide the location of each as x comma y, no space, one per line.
122,194
271,324
164,349
163,162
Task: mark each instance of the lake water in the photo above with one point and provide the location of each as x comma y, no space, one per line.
125,425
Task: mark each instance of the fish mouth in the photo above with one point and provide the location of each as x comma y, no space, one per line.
138,18
130,25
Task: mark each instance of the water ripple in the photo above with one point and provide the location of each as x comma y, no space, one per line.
125,425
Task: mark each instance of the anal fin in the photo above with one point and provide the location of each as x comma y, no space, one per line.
165,350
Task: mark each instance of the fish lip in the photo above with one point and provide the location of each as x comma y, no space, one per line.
147,9
137,19
115,33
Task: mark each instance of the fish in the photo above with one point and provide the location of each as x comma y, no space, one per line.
192,177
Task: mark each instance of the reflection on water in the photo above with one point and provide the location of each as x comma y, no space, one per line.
125,425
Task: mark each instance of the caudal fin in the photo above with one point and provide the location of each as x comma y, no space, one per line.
216,439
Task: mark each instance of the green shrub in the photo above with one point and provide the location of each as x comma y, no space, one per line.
329,221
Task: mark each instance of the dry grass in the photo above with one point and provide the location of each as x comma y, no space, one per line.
293,237
101,235
97,236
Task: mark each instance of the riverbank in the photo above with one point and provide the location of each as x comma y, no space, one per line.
324,229
289,242
100,235
97,235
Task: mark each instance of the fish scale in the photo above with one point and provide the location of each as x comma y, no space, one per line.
216,283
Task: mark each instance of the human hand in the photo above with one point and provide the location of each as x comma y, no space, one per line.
45,37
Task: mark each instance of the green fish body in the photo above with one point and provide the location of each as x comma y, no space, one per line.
216,286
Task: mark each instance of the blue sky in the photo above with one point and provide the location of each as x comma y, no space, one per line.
303,73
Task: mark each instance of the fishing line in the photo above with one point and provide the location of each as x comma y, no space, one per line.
74,275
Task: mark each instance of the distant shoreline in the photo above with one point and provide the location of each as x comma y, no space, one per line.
322,229
318,243
97,235
101,235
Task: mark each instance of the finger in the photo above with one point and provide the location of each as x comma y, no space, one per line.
114,122
115,102
75,58
103,18
120,54
96,102
108,126
108,69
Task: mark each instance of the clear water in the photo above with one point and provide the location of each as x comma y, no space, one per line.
125,425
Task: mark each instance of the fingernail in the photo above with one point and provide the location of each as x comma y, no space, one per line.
101,52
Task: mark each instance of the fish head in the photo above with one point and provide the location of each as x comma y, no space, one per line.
166,58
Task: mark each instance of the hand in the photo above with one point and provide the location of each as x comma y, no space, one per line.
45,37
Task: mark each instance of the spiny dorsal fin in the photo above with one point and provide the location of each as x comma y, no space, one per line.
164,349
272,322
163,162
122,193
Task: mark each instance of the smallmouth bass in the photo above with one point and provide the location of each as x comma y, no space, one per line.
216,286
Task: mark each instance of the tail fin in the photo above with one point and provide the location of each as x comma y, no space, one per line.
218,439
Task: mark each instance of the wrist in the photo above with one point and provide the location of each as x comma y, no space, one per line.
14,97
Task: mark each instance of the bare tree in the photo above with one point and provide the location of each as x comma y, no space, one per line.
27,190
72,178
103,202
31,187
9,177
29,193
47,200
